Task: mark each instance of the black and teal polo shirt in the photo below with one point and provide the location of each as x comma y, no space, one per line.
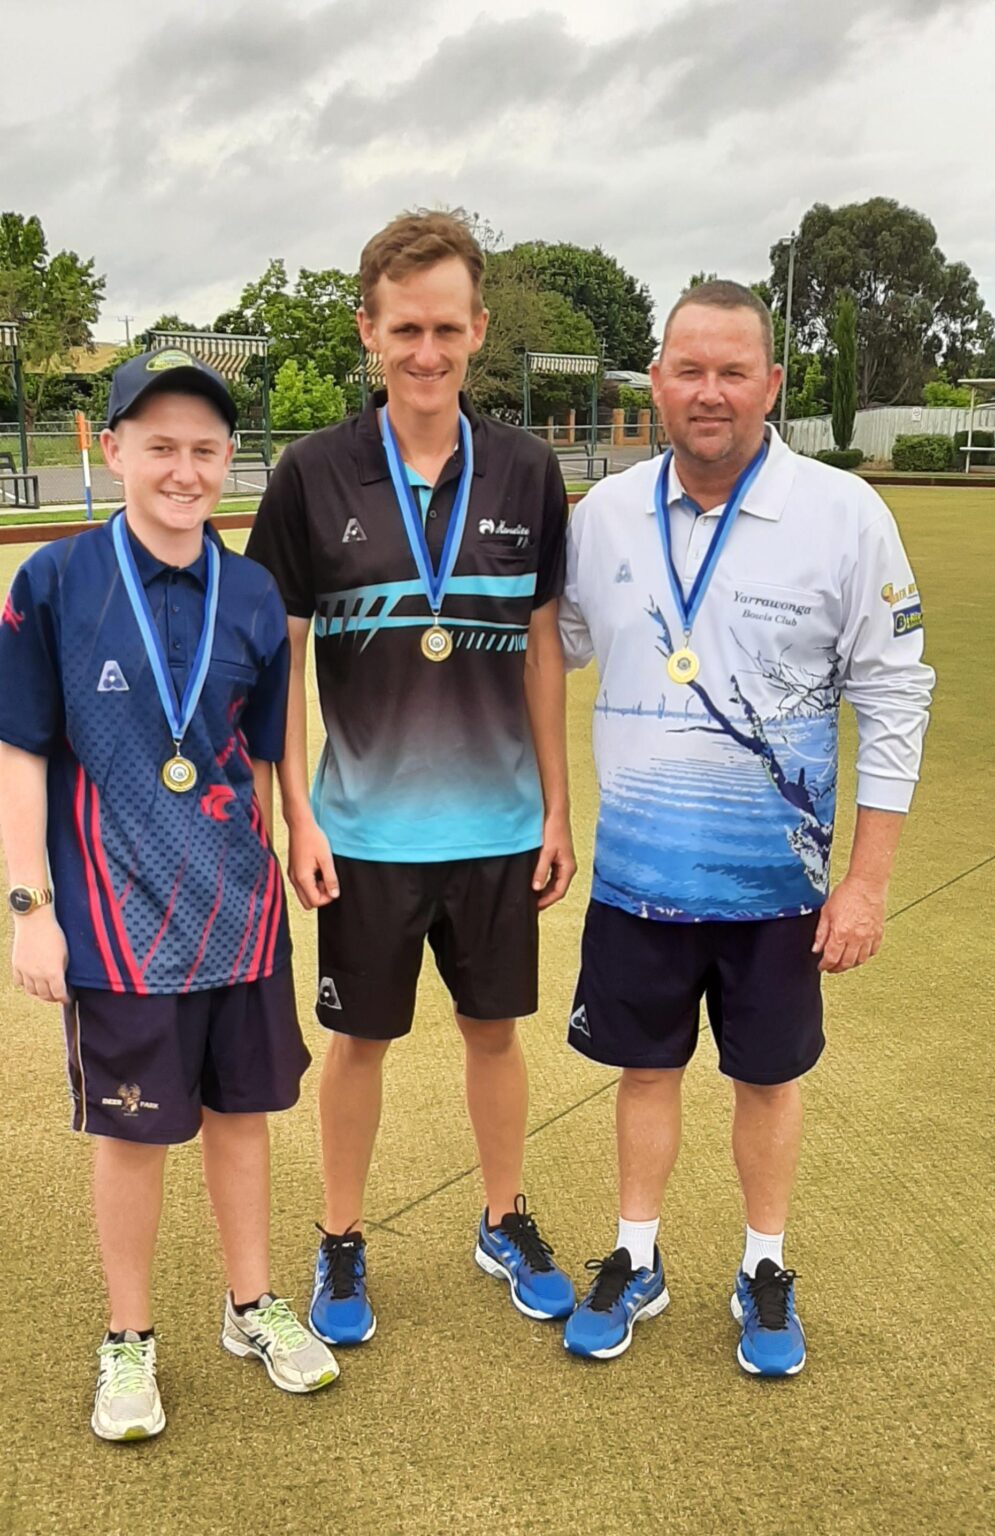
423,761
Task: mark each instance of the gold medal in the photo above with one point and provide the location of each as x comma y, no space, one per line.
178,774
682,665
437,644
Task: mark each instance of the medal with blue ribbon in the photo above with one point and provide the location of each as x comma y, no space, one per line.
178,772
436,642
683,664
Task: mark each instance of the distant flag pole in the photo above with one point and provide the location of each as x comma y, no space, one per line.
84,437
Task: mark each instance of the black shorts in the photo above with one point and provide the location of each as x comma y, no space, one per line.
480,916
641,983
141,1068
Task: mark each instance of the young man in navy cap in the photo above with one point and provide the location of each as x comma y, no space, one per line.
136,756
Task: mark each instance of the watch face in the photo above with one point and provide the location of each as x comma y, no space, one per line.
21,899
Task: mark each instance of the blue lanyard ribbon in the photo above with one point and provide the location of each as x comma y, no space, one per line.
434,582
178,713
688,607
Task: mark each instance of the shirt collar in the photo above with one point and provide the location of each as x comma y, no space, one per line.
371,455
149,568
767,495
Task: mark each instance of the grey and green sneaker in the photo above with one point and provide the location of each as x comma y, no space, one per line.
127,1404
295,1360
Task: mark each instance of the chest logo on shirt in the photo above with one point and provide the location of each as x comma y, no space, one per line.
488,528
624,572
112,679
354,532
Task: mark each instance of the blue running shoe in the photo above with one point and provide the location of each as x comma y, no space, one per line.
772,1342
515,1251
340,1308
601,1327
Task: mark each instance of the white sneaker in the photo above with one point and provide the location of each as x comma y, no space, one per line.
295,1360
127,1404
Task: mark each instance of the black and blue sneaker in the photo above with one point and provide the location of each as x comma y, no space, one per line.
772,1342
515,1251
340,1308
601,1327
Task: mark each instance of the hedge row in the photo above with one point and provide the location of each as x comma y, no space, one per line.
841,458
924,451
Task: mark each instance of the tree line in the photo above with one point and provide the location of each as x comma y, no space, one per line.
919,322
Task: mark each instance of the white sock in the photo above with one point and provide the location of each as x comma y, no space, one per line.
762,1245
640,1239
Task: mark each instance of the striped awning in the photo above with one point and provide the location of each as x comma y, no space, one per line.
8,335
368,371
227,355
561,362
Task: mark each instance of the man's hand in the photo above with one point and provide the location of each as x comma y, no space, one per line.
556,865
40,956
310,864
851,925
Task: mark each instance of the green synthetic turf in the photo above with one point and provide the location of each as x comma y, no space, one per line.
462,1416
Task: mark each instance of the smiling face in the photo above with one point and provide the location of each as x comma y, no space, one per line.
172,455
426,327
713,386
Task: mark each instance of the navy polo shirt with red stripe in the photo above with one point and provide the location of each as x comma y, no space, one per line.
156,892
423,761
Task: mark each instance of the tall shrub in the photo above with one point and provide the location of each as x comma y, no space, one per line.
845,371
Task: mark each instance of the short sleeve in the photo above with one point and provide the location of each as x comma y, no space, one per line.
578,647
279,539
264,718
32,708
552,537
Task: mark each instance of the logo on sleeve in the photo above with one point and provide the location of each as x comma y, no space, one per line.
893,594
907,620
11,616
354,532
328,997
112,679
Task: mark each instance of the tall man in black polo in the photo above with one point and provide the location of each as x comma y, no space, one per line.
426,543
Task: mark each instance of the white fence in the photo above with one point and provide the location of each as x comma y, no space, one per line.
875,431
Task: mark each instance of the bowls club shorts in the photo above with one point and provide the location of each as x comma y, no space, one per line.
142,1068
480,916
641,983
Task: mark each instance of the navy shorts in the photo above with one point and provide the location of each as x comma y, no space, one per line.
480,916
641,984
141,1068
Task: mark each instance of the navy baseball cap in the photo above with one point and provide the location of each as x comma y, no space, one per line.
165,370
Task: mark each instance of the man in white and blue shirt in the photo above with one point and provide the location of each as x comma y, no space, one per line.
730,597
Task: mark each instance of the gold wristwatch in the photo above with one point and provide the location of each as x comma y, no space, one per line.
25,898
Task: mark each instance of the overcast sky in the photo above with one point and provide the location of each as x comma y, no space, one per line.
183,145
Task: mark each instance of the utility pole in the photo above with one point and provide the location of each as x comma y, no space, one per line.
792,241
126,322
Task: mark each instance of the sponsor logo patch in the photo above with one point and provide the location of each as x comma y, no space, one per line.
893,595
354,532
112,679
906,621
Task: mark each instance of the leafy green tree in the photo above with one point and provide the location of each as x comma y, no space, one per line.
619,308
55,301
524,317
845,371
302,400
809,399
313,321
914,309
938,392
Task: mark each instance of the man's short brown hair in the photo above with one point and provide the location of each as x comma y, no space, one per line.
726,295
413,242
